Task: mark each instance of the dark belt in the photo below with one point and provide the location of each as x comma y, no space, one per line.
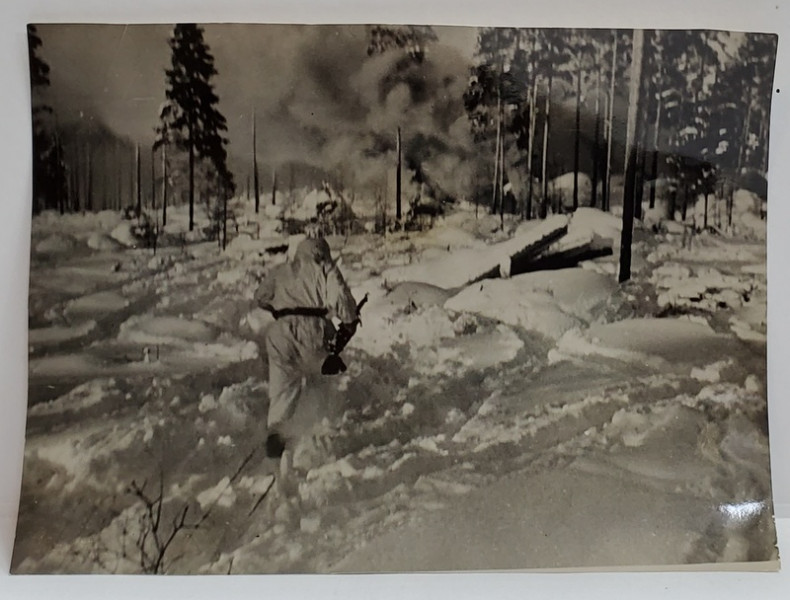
300,311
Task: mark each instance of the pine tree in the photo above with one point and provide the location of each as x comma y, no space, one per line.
497,89
584,60
39,70
557,68
412,38
190,118
690,60
49,173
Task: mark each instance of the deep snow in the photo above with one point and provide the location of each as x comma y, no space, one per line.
510,423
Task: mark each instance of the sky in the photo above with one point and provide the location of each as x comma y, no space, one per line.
116,73
319,99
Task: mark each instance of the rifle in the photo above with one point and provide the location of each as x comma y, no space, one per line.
333,363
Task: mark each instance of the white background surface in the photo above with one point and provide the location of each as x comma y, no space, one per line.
15,190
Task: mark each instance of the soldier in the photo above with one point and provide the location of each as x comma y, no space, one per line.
304,295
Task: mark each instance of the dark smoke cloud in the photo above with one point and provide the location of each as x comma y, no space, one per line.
320,99
352,106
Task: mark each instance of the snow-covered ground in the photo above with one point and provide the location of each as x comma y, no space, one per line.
550,419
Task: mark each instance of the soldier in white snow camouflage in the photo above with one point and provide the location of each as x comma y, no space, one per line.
304,296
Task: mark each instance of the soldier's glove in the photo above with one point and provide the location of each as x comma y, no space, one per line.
275,445
333,365
345,331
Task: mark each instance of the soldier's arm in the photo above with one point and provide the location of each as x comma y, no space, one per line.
339,301
264,295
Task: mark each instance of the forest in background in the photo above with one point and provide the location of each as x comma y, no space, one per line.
538,125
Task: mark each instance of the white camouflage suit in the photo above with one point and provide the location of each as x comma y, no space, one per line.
311,286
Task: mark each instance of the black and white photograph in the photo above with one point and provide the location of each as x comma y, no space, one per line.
396,298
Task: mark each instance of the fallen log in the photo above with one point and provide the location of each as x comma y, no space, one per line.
567,258
466,266
566,252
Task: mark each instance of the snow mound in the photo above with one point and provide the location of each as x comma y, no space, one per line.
166,330
502,419
518,301
633,427
326,481
123,233
57,334
81,397
100,302
64,365
308,208
710,373
748,332
596,222
103,242
467,265
221,494
416,295
726,398
243,246
477,351
577,291
653,342
76,223
562,188
386,324
57,243
257,484
226,349
207,404
237,403
477,221
706,289
446,236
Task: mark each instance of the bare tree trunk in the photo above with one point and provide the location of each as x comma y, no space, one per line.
596,137
546,126
502,179
76,176
398,180
130,181
610,135
496,153
657,126
138,186
577,136
533,118
274,187
89,184
255,181
705,216
191,179
762,140
606,134
153,179
59,172
164,185
641,168
224,197
117,154
70,186
631,155
745,135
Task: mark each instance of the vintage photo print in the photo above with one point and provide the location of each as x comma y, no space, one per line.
310,299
